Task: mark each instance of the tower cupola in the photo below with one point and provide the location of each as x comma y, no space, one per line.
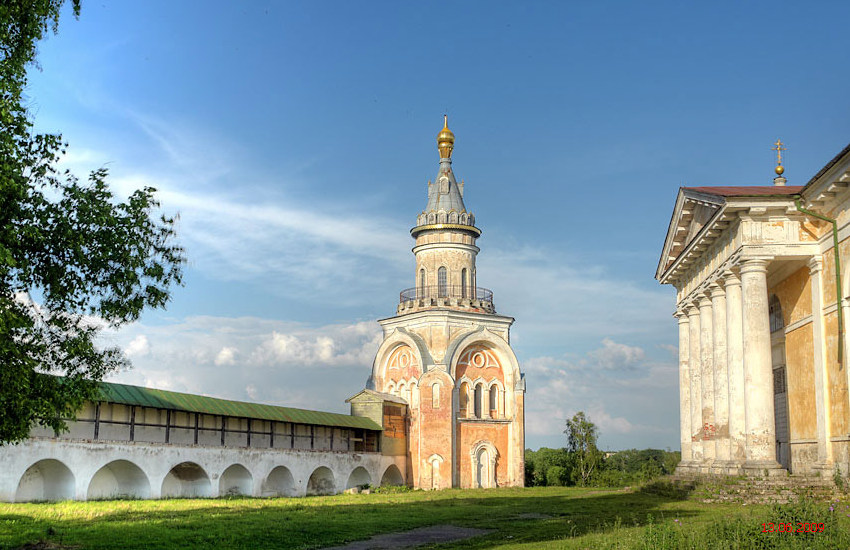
445,248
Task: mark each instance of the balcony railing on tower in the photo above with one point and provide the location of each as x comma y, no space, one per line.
447,295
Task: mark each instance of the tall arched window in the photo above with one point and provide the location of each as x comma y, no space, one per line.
494,400
421,283
479,390
775,313
463,283
441,282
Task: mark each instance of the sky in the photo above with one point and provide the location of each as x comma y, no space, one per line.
295,141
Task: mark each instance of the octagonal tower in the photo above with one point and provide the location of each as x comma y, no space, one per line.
447,354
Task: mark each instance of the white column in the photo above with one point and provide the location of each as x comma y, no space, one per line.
822,402
696,384
706,348
684,388
721,375
758,369
735,367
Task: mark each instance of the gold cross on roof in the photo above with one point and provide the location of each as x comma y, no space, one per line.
778,147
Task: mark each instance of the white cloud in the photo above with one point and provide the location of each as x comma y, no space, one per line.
616,356
226,356
138,347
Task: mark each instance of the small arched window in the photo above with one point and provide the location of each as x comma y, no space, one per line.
463,283
463,400
441,282
494,400
479,390
775,313
422,282
435,395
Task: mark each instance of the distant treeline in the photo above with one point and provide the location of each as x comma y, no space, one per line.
561,467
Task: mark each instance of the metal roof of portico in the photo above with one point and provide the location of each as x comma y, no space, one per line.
125,394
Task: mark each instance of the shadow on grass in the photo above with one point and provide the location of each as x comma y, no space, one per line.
317,522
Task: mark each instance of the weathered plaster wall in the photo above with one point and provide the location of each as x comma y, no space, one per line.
75,469
471,432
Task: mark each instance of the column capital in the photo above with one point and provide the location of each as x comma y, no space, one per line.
692,309
704,301
815,264
754,265
682,315
730,278
716,290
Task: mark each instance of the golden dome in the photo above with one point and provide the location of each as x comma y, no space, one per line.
445,139
779,169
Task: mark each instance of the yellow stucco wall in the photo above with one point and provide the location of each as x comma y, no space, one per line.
800,376
795,295
837,379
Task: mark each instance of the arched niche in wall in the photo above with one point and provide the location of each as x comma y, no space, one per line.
119,479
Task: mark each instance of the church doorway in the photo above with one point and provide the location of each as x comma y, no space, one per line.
780,384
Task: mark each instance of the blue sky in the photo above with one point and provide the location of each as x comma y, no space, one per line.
295,141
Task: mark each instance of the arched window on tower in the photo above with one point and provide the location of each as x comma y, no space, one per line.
479,390
421,283
494,400
463,283
775,314
441,282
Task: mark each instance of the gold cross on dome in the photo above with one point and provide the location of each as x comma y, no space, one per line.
778,148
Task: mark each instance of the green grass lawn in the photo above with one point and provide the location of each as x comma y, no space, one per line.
577,518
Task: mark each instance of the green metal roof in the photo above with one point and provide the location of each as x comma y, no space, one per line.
161,399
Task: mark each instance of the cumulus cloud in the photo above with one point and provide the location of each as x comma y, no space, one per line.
616,356
138,347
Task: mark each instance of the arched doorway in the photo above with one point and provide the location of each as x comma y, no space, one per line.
484,455
119,479
46,480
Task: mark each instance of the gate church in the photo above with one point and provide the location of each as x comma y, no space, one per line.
443,407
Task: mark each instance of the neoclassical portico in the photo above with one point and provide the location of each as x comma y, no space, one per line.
760,307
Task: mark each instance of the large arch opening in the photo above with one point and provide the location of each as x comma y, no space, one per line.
279,483
392,476
358,478
186,480
321,482
236,480
46,480
119,479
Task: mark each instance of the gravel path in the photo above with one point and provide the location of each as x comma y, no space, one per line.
415,537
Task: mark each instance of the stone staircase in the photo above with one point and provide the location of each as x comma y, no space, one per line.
759,490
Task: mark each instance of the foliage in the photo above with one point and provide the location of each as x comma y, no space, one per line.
540,517
73,259
581,442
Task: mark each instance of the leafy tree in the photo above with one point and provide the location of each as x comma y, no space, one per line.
581,442
73,258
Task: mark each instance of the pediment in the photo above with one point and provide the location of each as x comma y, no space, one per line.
692,211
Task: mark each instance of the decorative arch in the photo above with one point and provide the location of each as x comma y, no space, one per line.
359,477
497,344
396,338
392,476
279,483
321,482
435,462
186,480
47,479
119,479
236,480
483,457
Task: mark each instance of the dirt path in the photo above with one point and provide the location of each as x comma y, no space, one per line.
415,537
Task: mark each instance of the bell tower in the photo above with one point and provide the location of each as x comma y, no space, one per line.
447,353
